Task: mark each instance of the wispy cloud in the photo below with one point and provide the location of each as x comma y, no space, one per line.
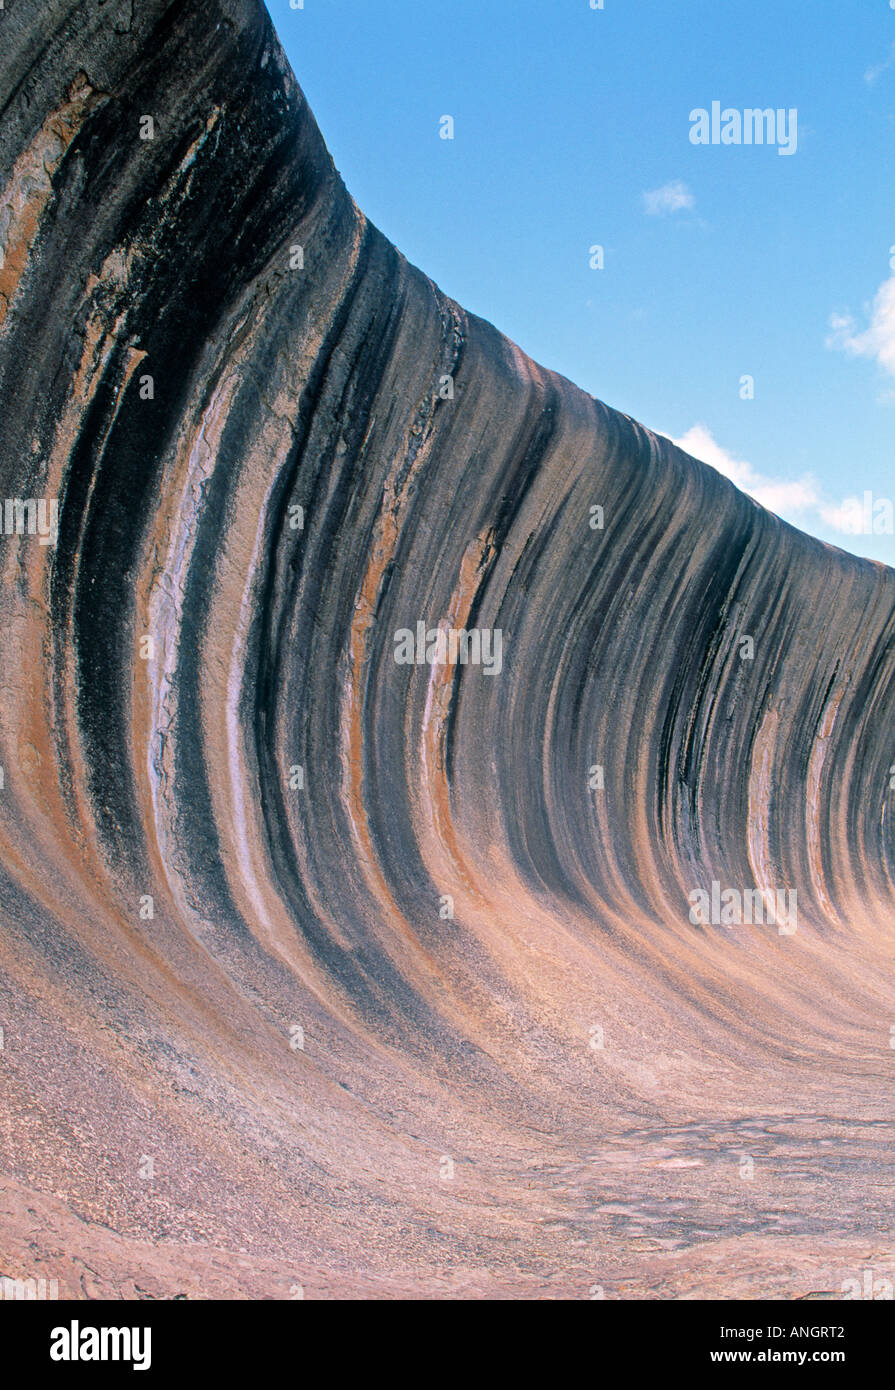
878,69
877,340
846,516
779,495
671,197
800,501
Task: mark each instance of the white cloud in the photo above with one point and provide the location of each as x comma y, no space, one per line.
878,339
873,73
778,495
846,516
671,197
800,502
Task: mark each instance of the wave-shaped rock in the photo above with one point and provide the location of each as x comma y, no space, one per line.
330,962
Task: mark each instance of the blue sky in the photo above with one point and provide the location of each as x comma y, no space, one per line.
742,262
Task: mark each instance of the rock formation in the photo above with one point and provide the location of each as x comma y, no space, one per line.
325,971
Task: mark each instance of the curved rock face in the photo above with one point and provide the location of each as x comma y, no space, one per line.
341,954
